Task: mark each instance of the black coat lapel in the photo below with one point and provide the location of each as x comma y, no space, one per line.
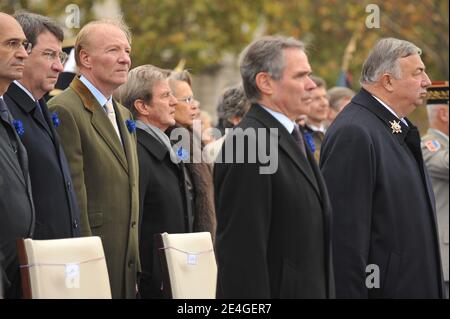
152,146
28,106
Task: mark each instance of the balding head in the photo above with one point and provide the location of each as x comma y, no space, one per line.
6,19
12,52
102,51
88,35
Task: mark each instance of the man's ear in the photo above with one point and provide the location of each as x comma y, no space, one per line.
387,82
139,106
264,83
85,59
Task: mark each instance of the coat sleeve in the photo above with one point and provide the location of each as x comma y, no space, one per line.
243,208
69,134
348,166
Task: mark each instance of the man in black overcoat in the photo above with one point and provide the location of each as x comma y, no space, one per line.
385,238
273,216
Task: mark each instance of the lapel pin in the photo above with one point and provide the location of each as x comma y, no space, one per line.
395,127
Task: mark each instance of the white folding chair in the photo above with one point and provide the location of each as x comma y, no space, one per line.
188,263
72,268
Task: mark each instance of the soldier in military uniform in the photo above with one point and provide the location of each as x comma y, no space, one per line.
435,155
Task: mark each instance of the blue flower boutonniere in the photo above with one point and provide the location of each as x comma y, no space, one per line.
131,125
55,120
183,154
310,141
18,125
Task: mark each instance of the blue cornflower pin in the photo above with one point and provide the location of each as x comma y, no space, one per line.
131,125
19,127
55,119
310,141
183,154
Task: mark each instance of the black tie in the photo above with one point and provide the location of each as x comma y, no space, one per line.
297,135
39,114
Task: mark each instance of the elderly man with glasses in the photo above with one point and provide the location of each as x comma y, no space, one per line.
57,213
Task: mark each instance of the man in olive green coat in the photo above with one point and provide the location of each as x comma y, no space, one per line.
99,140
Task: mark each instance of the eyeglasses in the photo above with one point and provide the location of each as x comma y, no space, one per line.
53,55
188,100
16,44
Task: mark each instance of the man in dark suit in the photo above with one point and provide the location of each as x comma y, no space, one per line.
57,214
273,224
385,238
16,204
162,187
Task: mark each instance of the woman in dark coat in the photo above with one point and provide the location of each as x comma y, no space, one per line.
199,173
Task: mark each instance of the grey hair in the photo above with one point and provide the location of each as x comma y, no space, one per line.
35,24
83,39
139,85
383,58
233,102
337,94
183,76
264,55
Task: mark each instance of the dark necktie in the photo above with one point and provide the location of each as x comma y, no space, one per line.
39,107
297,135
39,114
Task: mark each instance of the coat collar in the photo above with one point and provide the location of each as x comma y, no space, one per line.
152,145
393,124
28,106
286,142
89,100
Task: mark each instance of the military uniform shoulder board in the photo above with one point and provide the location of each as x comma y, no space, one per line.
433,145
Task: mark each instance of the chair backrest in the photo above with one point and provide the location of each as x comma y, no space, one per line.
72,268
188,265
